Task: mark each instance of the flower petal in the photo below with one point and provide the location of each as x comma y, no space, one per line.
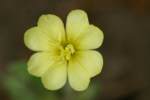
93,64
53,26
39,63
78,76
77,23
55,78
37,40
92,38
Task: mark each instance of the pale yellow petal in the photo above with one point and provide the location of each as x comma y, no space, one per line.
78,76
91,60
77,23
55,78
36,40
92,38
39,63
53,26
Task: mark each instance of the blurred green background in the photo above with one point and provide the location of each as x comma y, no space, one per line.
126,49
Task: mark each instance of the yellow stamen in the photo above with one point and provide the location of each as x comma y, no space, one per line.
68,51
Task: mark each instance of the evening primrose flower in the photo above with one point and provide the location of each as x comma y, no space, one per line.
63,54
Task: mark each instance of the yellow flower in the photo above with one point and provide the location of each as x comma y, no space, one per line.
64,54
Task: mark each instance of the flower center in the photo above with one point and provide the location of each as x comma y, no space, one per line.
68,51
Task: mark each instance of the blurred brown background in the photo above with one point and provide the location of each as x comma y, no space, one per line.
126,48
